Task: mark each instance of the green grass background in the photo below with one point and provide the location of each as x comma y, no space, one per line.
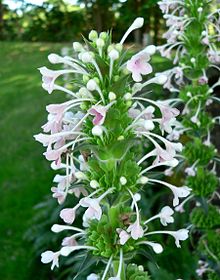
25,176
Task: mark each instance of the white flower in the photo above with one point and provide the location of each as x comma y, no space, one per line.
94,210
65,251
92,276
123,235
158,249
166,215
50,256
180,192
137,23
58,228
69,214
180,235
190,171
136,230
151,49
138,65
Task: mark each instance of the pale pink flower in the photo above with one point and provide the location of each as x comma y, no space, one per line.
203,80
54,155
59,194
94,210
162,155
63,180
49,77
123,236
69,241
133,113
166,215
136,230
191,171
138,65
180,235
214,56
53,124
92,276
99,112
48,139
55,117
179,192
68,214
78,191
50,256
168,117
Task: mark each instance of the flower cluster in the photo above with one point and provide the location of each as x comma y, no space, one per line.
95,141
192,41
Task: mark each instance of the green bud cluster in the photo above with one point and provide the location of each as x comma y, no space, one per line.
210,243
195,92
205,219
103,234
134,272
204,183
196,150
212,276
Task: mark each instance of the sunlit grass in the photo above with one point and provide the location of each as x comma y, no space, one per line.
25,176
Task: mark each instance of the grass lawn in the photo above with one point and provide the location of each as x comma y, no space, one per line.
25,176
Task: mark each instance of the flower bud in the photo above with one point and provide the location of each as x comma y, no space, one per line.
118,47
86,57
138,23
85,78
80,175
123,180
103,35
150,49
111,96
161,79
100,43
54,58
140,268
143,180
97,130
189,94
94,184
120,138
91,85
83,92
93,35
77,47
113,54
128,96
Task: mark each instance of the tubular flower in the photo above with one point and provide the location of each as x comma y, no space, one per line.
194,34
91,140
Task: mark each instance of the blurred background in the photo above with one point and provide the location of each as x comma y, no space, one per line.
29,31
